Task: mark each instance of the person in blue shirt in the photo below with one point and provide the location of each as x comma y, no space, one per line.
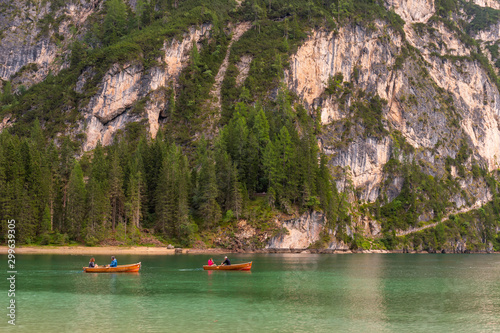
114,263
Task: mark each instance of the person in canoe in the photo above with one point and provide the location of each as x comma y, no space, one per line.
114,263
92,263
211,262
226,262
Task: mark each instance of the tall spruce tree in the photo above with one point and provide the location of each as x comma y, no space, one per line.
116,195
115,22
75,214
209,207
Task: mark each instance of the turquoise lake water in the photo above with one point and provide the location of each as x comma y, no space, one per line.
282,293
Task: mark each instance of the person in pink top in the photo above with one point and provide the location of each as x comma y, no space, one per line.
211,262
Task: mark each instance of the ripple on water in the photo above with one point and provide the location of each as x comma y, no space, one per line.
282,293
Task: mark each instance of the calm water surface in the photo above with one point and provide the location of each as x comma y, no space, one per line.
282,293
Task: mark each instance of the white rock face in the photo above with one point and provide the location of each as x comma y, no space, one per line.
120,90
441,41
22,42
123,86
5,123
475,95
365,160
373,55
492,34
488,3
412,10
239,30
154,107
324,54
177,52
303,231
243,68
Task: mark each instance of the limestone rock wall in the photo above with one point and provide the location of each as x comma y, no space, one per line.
353,48
436,64
302,232
123,86
26,40
239,30
488,3
324,54
412,10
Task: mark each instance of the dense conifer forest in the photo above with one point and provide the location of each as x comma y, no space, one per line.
256,160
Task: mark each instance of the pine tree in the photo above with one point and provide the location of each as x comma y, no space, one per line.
64,171
223,173
152,157
236,203
54,181
14,194
46,220
32,192
98,201
271,165
209,208
184,227
116,191
165,197
97,206
115,22
135,191
4,197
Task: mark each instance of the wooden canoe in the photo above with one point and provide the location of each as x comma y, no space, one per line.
118,269
237,267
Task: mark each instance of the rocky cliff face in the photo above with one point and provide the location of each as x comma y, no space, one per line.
437,94
299,233
488,3
367,59
302,232
352,49
412,11
35,39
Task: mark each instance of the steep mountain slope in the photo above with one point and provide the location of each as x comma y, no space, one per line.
402,98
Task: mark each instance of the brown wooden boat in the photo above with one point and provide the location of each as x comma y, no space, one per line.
118,269
237,267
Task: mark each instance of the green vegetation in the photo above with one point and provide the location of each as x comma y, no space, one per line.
478,18
477,228
138,184
420,193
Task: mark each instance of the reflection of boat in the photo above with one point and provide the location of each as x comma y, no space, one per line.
237,267
118,269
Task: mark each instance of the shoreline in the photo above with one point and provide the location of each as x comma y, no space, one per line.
144,250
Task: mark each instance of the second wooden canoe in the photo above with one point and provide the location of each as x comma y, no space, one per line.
237,267
118,269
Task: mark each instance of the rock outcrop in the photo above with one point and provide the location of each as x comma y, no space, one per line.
412,11
33,48
238,31
123,86
299,233
368,60
495,4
